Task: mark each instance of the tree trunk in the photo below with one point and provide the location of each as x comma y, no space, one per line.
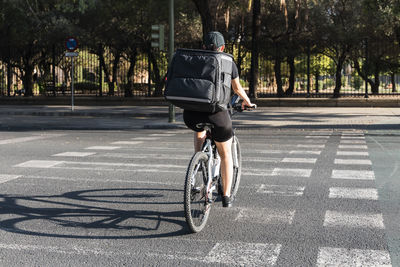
256,30
376,83
111,84
27,75
129,86
292,71
316,82
278,76
104,66
393,80
362,74
203,7
156,77
27,80
338,85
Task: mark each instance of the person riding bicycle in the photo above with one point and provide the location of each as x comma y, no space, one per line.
222,132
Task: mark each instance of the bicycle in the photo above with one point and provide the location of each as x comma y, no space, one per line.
203,175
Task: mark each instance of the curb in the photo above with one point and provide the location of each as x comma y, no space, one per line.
83,114
390,101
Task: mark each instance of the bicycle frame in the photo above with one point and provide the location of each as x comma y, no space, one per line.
210,153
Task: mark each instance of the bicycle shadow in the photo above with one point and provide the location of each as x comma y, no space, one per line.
133,213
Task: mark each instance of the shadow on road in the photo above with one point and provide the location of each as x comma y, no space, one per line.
133,213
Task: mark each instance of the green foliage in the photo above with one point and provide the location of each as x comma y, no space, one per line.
357,82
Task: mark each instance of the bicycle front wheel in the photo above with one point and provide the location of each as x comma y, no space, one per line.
237,168
197,207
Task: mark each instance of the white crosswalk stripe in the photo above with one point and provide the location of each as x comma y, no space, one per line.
329,256
353,220
353,193
74,154
353,174
353,161
281,190
265,216
8,177
251,254
352,153
103,147
353,146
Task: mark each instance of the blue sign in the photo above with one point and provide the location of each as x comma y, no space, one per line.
71,44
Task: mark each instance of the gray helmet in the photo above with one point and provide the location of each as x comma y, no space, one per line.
214,40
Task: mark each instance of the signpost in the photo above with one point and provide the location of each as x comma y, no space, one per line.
171,51
71,44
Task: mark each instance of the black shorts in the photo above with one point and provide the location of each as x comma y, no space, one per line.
222,130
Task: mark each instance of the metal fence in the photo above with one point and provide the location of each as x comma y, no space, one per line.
140,74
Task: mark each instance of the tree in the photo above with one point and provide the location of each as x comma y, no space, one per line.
256,31
338,32
30,28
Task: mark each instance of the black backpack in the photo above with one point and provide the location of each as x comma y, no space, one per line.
199,80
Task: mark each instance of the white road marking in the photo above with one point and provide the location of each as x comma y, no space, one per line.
74,154
281,190
353,146
353,132
353,220
8,177
353,137
260,159
328,256
353,161
103,147
163,134
305,152
353,193
316,141
127,142
257,172
321,133
299,160
318,136
142,156
244,254
68,164
265,216
28,138
310,146
352,153
97,181
39,164
292,172
145,138
352,141
353,174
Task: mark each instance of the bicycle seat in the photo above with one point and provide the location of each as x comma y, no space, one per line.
205,125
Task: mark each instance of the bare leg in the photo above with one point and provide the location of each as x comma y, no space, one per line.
199,138
224,150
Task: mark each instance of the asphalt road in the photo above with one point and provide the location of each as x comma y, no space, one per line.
74,192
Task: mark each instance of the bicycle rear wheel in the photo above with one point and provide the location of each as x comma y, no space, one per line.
237,170
197,207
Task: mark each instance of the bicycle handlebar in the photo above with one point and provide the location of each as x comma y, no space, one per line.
238,107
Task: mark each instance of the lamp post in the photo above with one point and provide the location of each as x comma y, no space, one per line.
171,51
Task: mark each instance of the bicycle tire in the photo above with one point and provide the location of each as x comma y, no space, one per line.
237,171
197,208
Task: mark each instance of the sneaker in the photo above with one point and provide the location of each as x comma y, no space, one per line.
227,202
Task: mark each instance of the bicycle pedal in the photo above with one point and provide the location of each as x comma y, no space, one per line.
196,190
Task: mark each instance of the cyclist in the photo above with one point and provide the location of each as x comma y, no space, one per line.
222,132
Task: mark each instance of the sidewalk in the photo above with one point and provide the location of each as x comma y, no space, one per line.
372,101
156,117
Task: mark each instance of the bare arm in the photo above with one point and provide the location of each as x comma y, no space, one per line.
238,89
